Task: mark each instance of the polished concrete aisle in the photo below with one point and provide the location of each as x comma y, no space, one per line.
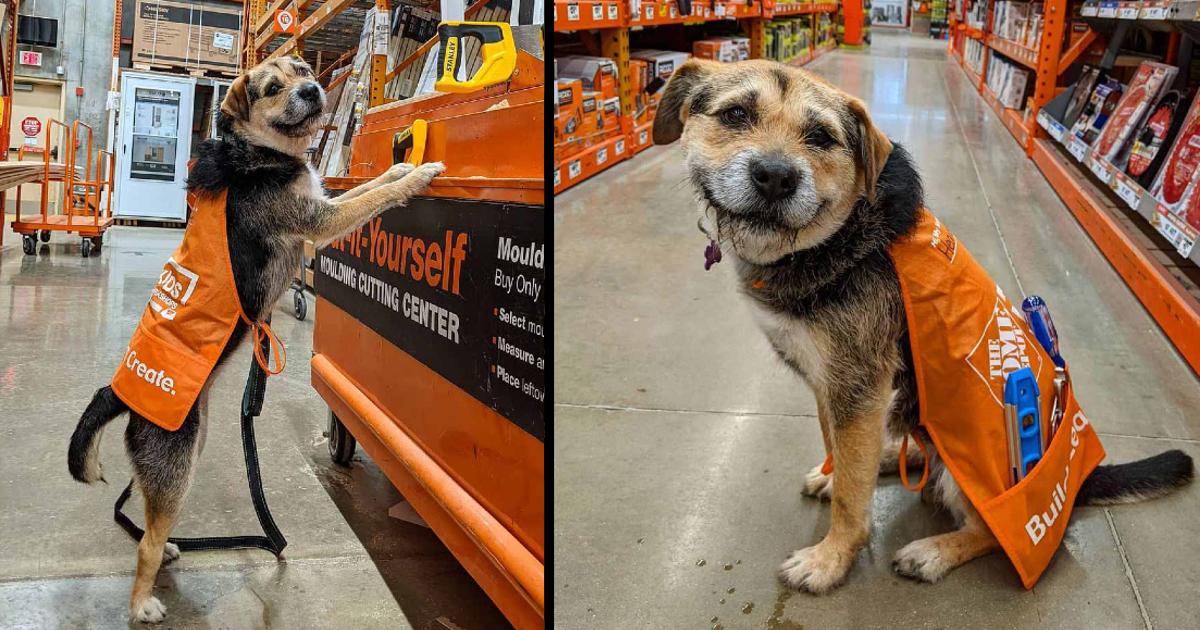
64,563
681,441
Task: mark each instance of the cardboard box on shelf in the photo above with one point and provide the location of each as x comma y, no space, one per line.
570,93
599,74
194,35
662,63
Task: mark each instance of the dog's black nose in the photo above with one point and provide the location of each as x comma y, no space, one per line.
310,91
774,178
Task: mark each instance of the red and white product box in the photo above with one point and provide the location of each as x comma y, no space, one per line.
1139,98
1176,185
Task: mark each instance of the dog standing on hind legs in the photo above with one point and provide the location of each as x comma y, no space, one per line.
806,195
274,202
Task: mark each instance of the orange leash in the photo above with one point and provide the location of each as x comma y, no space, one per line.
904,463
827,467
278,350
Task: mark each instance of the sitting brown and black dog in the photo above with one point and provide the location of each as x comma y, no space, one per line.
275,201
797,183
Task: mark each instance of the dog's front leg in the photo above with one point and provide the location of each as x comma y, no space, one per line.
853,419
395,173
324,220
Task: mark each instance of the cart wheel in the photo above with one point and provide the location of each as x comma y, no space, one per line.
97,242
28,244
301,304
45,236
341,442
85,248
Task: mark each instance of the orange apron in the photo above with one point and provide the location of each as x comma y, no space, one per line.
193,310
966,338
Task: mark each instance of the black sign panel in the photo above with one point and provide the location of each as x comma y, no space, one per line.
459,285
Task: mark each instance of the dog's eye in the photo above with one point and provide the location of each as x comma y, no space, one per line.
273,89
735,116
820,138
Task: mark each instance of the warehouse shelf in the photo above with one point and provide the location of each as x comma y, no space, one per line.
1114,210
589,14
594,159
784,9
1017,52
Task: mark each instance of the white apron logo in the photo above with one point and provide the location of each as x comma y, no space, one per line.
175,285
1002,348
1037,524
157,378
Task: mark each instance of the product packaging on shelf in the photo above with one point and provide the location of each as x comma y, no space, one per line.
1139,98
598,74
1095,114
1175,187
1080,92
1152,136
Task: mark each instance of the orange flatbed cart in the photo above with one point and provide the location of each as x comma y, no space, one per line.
82,189
429,337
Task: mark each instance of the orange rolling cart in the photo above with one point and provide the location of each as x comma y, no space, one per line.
429,339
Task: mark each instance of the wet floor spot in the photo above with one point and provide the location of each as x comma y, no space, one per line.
776,620
731,590
748,608
641,540
701,563
722,600
728,567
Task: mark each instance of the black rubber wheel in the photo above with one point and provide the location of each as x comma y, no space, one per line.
341,442
28,244
85,248
45,236
301,304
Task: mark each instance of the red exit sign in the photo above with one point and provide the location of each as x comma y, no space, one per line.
30,58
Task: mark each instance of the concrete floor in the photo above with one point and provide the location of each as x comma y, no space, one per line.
64,321
681,442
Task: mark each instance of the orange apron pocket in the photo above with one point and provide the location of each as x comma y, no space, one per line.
159,380
1030,518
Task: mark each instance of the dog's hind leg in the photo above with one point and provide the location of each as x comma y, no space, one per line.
163,463
930,559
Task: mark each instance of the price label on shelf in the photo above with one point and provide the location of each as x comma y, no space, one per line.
643,137
1100,169
619,147
1077,148
572,12
674,12
1181,235
597,12
557,177
1127,193
1128,11
574,169
612,11
719,10
650,13
1089,9
601,156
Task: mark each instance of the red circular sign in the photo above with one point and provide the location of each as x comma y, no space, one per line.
31,126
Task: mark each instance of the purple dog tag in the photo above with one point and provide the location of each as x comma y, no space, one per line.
712,254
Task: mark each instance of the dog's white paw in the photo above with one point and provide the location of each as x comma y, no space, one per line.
922,560
398,171
151,611
429,170
817,569
170,552
817,484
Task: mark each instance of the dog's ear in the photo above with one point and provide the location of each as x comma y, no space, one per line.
870,145
237,101
672,113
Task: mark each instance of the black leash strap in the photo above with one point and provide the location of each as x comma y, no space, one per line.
252,402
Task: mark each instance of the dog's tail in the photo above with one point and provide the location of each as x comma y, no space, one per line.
1142,480
83,457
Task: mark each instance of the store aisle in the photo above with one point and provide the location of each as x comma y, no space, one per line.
681,441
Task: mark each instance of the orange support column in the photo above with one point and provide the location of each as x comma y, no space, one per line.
1049,53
